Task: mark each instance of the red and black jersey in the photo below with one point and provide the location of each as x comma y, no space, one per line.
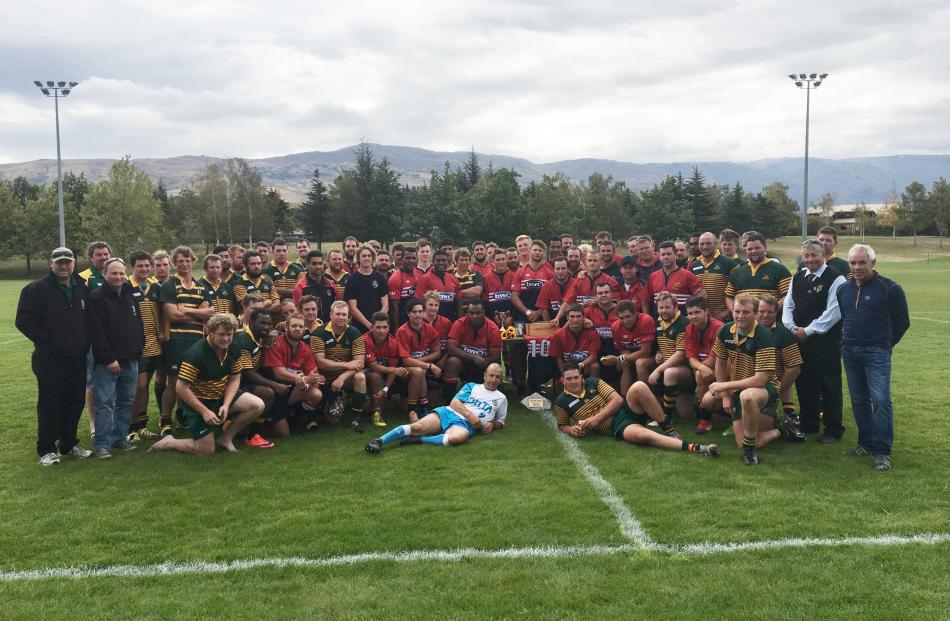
386,354
635,293
483,269
477,342
281,354
699,341
643,334
682,283
602,319
449,290
572,347
586,287
528,282
555,294
497,292
414,344
402,288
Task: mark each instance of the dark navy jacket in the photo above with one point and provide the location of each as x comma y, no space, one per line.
873,314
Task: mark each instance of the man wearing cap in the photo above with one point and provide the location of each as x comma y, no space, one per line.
52,314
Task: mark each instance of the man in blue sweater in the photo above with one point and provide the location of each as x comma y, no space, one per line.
874,317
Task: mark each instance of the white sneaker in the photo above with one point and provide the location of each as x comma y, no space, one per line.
78,452
50,459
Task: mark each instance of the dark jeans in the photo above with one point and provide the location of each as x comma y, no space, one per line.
61,395
869,381
819,385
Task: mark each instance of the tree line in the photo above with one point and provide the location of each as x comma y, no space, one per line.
227,202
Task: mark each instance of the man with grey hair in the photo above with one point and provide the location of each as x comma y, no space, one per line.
811,313
874,317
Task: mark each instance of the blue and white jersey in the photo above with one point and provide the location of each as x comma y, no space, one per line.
488,405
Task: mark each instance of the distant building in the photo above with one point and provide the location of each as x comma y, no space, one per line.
844,217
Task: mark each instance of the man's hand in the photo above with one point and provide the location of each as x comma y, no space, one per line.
355,365
436,371
114,367
487,428
337,384
716,389
727,405
212,418
706,373
577,431
800,334
402,372
301,382
317,379
654,378
282,390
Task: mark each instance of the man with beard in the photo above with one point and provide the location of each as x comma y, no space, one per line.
316,284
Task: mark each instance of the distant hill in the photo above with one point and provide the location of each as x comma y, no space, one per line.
867,179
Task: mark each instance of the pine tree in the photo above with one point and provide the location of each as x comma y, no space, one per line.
313,213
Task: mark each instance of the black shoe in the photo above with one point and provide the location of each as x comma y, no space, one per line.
166,430
749,456
373,447
356,426
711,450
791,432
827,438
409,440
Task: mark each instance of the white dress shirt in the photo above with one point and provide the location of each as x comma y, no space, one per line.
827,319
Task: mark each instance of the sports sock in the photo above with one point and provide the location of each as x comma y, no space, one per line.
788,407
159,388
139,421
690,447
703,414
180,416
667,424
439,440
748,442
357,400
394,434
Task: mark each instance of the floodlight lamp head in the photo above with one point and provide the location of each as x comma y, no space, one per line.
72,84
798,84
45,91
817,83
823,76
38,83
50,83
802,76
61,84
64,92
813,76
793,76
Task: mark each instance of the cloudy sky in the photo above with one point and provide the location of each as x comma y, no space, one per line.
646,81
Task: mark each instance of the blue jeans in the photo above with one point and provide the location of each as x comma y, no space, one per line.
113,406
869,381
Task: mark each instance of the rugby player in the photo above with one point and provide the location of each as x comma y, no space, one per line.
698,343
672,278
424,255
250,343
477,408
575,343
419,347
591,405
282,271
445,284
557,292
315,283
713,268
474,343
759,275
828,237
527,283
209,385
219,292
337,273
341,358
471,281
729,244
633,334
383,371
402,288
788,355
291,364
671,374
254,281
350,245
367,292
147,295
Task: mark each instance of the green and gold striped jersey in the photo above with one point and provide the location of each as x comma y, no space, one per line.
787,352
174,291
252,352
767,278
93,278
569,409
747,354
221,296
286,279
263,286
715,277
671,337
342,347
206,371
148,297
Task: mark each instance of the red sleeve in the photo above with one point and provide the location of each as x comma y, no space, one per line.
309,363
370,348
647,326
434,343
556,350
544,297
494,334
593,341
615,330
395,291
298,289
404,350
570,297
455,332
588,311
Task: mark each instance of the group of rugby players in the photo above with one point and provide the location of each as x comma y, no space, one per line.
263,345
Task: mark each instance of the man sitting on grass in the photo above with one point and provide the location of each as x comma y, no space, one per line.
476,408
208,385
592,405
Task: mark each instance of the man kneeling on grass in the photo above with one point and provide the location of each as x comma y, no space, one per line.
592,405
476,408
208,384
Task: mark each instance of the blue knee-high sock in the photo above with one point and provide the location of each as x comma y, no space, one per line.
439,440
397,433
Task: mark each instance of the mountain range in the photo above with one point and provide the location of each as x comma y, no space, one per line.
868,179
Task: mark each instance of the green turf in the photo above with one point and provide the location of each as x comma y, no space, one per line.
320,495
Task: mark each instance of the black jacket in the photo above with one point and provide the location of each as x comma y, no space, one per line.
56,324
115,325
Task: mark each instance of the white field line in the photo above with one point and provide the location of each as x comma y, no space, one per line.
929,319
456,555
629,525
11,341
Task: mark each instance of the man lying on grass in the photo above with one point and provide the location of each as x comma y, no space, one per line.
208,382
593,405
476,408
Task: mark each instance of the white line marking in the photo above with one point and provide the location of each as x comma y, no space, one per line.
779,544
460,554
19,340
629,525
929,319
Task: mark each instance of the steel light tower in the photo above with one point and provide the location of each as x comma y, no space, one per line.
808,82
57,90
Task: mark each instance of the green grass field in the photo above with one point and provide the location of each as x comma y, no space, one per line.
320,499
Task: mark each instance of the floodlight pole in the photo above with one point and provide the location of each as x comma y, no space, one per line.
57,90
808,83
